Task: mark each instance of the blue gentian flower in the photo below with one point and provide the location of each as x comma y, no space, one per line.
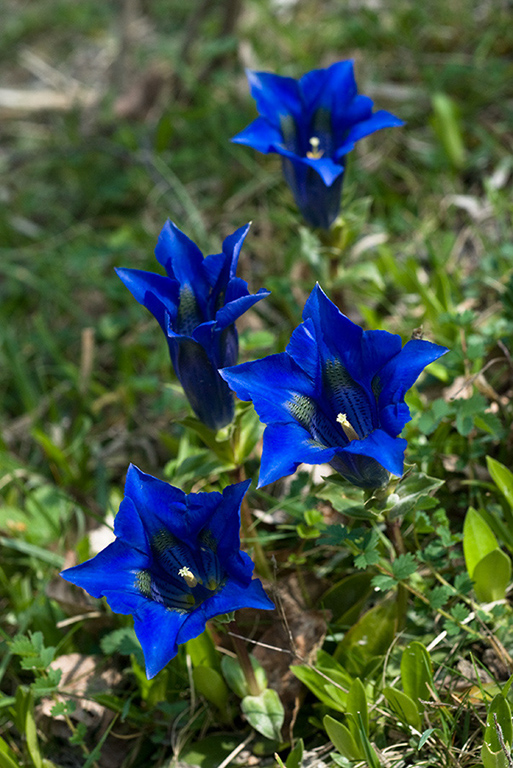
312,123
175,563
335,395
196,306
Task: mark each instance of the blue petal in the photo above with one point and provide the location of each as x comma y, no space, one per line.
270,383
209,396
380,119
400,373
332,88
224,527
201,508
183,261
275,95
286,446
260,135
157,628
344,118
302,347
394,417
234,309
128,526
377,348
214,267
234,596
327,169
180,257
387,451
157,293
158,504
342,337
117,565
232,246
319,204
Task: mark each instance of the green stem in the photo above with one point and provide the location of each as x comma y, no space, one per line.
393,531
249,535
243,657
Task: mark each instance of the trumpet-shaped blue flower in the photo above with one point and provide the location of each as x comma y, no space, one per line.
312,123
197,305
175,563
335,395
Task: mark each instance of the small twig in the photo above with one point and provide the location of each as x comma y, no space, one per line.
233,754
501,740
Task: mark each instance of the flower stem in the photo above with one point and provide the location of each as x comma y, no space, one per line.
393,531
244,659
248,534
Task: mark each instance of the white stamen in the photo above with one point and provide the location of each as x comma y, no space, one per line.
315,153
188,576
349,430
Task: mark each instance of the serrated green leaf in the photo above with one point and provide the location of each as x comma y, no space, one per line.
404,566
122,641
265,713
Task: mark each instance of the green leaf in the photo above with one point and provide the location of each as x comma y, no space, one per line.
265,713
503,479
342,738
202,651
404,707
31,735
478,540
404,566
346,598
417,673
491,752
492,576
122,641
328,680
409,492
295,757
369,638
7,756
234,675
357,706
211,685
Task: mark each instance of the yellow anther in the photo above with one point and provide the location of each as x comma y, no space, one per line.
315,153
188,576
349,430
